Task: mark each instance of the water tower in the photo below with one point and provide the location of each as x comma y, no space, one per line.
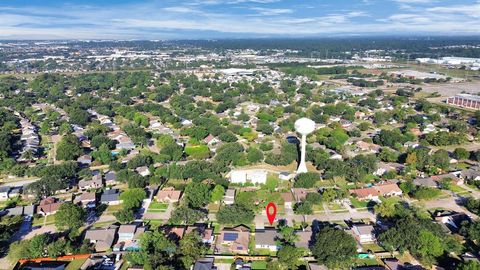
304,126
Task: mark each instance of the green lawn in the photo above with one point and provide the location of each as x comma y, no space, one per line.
40,220
358,204
157,207
75,264
458,189
155,222
259,265
113,208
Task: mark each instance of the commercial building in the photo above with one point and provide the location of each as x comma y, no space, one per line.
465,101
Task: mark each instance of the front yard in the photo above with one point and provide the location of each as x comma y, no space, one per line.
157,207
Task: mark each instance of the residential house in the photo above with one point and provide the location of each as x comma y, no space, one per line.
266,239
204,264
85,160
435,181
86,199
110,178
204,232
452,220
368,147
229,197
102,238
174,232
111,197
364,233
169,195
211,140
472,174
286,176
126,232
125,143
143,171
48,206
287,199
305,238
253,176
94,183
234,240
386,189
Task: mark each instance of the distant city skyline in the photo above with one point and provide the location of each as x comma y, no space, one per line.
203,19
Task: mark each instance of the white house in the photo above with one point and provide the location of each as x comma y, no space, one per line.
252,176
364,233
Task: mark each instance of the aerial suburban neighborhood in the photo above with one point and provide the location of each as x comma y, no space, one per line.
283,154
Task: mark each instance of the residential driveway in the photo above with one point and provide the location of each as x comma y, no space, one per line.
159,215
24,229
42,230
222,266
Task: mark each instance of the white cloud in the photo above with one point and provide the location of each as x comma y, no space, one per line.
272,11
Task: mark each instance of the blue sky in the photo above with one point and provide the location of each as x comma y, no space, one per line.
169,19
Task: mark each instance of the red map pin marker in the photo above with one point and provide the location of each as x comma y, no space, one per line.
271,212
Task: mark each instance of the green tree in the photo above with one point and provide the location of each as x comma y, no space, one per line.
38,244
461,153
197,194
133,198
303,208
217,193
69,148
289,257
125,215
334,248
306,180
103,154
254,155
387,208
191,248
70,216
182,214
235,214
287,237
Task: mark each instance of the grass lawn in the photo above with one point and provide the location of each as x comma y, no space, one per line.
373,247
157,207
335,207
40,221
102,224
213,207
317,208
259,265
155,222
113,208
75,264
458,189
366,262
358,204
472,186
